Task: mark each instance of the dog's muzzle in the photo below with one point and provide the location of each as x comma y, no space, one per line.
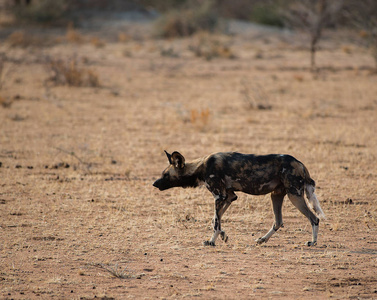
157,183
160,185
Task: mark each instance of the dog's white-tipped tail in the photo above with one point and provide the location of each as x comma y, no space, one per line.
313,201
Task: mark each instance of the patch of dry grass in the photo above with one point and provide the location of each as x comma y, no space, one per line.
73,36
209,47
22,39
200,117
70,73
115,270
97,42
193,18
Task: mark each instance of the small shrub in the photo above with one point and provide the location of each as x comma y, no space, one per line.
96,42
187,21
92,78
162,5
4,102
210,47
23,40
200,117
69,73
255,96
16,38
267,14
363,16
298,77
5,71
42,11
122,37
72,35
237,9
116,270
169,52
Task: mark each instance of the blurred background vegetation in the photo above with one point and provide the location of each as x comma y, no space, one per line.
268,12
179,18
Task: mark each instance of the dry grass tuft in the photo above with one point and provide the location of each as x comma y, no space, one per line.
210,47
17,39
254,96
73,36
4,102
169,52
42,11
115,270
200,117
186,22
123,38
97,42
69,73
298,77
23,40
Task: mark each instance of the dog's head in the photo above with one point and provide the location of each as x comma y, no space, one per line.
173,174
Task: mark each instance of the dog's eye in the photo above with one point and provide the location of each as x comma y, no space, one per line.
166,175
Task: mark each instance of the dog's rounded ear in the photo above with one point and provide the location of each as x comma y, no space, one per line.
177,160
169,157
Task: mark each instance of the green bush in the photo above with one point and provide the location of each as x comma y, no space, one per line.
163,5
267,14
43,11
187,21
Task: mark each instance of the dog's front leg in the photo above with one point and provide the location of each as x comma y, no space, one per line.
220,206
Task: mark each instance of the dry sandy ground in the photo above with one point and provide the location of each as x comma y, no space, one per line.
79,217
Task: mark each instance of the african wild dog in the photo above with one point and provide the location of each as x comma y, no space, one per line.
227,172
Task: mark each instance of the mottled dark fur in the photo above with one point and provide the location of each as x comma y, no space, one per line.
225,173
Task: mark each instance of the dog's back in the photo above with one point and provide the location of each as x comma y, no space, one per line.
259,174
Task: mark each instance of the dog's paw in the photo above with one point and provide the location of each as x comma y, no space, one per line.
209,243
309,244
224,237
261,240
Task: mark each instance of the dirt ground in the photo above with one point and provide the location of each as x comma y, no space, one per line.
80,218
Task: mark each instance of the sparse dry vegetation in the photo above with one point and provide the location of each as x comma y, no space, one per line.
211,46
200,118
41,11
313,16
363,15
195,17
254,96
69,72
23,40
115,270
79,217
73,36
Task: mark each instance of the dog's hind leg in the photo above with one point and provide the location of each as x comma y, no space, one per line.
277,198
301,205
